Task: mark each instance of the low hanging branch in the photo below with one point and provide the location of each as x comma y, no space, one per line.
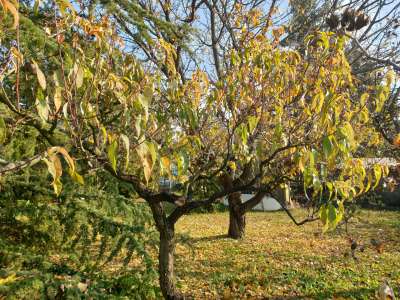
287,211
19,165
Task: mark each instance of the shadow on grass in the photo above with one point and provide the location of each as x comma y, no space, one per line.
209,238
356,293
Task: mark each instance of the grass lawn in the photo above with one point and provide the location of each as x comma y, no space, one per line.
279,260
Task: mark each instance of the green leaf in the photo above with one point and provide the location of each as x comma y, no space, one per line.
330,187
145,100
112,154
331,213
323,215
312,155
327,146
42,106
36,7
244,134
325,40
76,177
182,163
153,152
363,99
253,121
3,130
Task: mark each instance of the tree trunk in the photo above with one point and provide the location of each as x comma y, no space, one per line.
166,265
166,253
237,217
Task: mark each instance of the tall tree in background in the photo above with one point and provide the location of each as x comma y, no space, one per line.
373,50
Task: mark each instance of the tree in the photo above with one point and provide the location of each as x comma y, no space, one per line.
243,122
38,219
275,114
214,28
373,50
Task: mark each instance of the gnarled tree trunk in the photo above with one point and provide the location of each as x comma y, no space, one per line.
237,217
166,254
166,265
237,213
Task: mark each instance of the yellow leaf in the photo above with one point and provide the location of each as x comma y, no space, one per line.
396,140
76,177
64,153
147,154
8,279
55,169
166,165
58,98
112,153
79,77
8,6
40,76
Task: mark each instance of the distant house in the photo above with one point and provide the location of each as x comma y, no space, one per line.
388,192
385,161
269,203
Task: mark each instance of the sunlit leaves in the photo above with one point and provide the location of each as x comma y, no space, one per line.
327,146
42,105
182,163
112,151
39,74
126,143
78,72
57,98
166,166
168,53
55,167
10,7
331,214
63,5
3,130
396,140
145,101
147,153
252,121
305,99
378,174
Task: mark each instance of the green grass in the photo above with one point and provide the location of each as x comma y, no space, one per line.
276,260
280,260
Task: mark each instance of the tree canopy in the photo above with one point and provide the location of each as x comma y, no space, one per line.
268,115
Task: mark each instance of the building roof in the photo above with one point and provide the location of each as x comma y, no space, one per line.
385,161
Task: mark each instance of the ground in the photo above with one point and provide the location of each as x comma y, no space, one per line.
279,260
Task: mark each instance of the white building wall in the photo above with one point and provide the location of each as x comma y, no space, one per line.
267,203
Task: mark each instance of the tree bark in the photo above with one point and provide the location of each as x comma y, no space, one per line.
237,213
166,265
166,253
237,217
